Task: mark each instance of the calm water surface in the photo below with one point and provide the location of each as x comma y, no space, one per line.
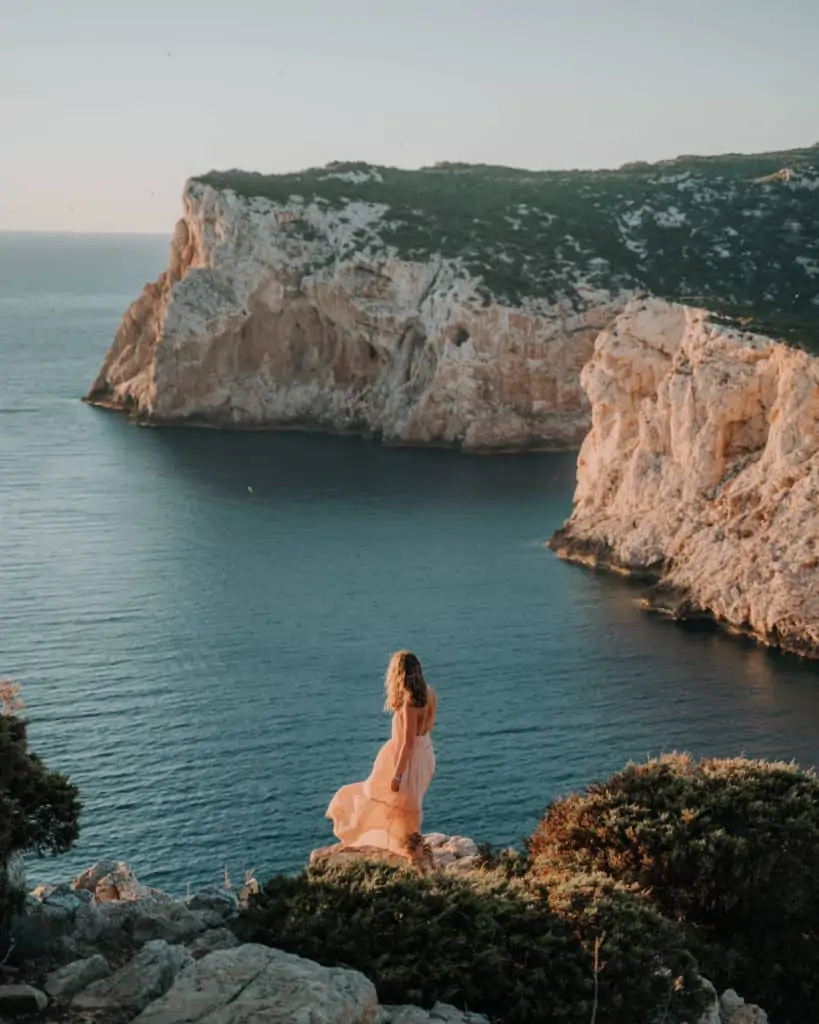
205,660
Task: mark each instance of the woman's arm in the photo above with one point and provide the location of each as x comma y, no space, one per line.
408,731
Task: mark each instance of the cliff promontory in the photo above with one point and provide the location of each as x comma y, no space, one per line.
451,305
701,470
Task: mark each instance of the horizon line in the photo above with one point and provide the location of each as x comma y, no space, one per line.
85,234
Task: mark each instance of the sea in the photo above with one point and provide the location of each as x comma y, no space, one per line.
200,621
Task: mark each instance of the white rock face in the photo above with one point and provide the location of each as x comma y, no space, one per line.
300,316
256,983
702,468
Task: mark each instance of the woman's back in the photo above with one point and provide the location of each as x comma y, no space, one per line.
427,719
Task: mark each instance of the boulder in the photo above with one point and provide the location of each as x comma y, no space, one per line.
341,854
253,982
217,899
734,1010
435,839
19,1000
119,923
106,924
443,853
459,846
65,897
711,1014
173,922
64,983
210,941
111,880
145,978
41,929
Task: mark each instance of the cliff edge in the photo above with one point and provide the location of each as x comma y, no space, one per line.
701,471
452,305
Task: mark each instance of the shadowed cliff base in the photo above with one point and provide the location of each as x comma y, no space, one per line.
101,399
677,604
594,553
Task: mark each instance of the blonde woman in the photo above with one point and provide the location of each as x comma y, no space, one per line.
387,808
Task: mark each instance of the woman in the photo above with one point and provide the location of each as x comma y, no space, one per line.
386,809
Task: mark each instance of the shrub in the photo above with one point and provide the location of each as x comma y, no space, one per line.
519,953
39,809
730,848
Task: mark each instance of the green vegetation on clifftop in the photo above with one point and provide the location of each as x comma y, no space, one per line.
738,234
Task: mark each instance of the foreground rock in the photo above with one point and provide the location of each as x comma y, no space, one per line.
453,305
734,1010
68,981
147,977
20,1000
107,908
701,471
255,983
439,853
207,976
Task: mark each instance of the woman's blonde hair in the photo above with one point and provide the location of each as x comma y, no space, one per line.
404,682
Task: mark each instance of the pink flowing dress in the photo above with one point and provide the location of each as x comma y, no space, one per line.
369,814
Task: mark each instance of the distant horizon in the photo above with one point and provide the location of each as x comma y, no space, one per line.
156,233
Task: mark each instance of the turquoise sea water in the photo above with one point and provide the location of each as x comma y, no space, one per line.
206,660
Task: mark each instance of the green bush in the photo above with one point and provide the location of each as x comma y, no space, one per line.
519,953
729,848
39,809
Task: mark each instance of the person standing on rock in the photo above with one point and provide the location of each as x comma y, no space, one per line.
385,811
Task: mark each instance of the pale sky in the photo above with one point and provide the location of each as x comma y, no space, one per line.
107,106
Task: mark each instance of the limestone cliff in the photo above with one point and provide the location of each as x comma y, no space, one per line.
262,319
701,470
453,305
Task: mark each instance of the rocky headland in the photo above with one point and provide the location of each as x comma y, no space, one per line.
701,472
454,305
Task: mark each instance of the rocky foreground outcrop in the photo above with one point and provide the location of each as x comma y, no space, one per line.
701,472
117,951
127,952
454,305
